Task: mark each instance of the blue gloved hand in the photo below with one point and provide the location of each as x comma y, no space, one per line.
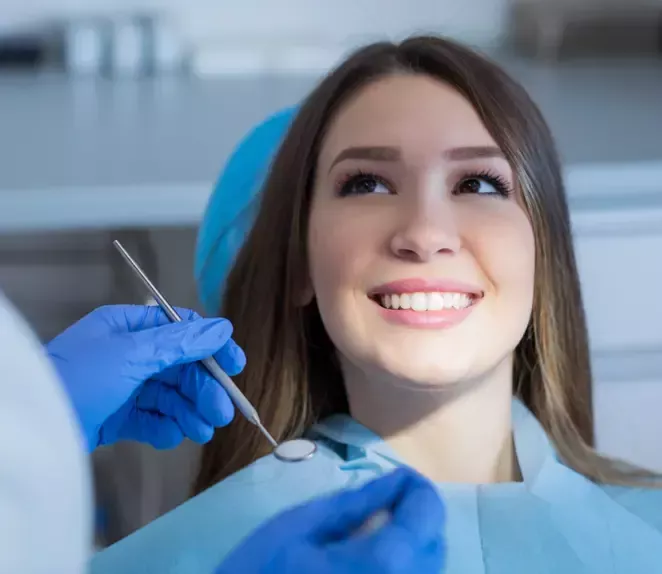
132,375
323,536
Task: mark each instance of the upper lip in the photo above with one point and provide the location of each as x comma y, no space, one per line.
420,285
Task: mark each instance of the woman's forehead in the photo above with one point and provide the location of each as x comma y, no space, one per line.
409,112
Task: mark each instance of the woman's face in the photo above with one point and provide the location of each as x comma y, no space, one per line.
421,255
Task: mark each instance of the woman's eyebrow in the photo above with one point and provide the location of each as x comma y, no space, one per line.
473,152
390,154
376,153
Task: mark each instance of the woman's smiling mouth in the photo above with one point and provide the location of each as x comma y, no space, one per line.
426,303
432,301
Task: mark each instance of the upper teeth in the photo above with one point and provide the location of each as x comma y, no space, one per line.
426,301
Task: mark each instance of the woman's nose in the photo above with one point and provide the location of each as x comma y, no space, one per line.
426,229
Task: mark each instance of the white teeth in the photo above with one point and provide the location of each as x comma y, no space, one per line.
419,302
434,301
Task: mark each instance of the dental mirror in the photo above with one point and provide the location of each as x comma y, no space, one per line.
295,450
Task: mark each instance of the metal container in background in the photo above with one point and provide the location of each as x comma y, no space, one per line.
165,45
87,46
123,46
129,47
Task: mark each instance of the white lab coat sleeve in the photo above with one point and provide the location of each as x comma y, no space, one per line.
45,481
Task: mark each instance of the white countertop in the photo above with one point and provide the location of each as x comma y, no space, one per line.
81,154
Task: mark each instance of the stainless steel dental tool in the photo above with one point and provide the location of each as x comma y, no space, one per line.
237,397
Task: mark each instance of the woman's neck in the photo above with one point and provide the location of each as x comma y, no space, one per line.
458,435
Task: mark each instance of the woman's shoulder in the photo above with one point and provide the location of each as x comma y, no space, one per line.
197,535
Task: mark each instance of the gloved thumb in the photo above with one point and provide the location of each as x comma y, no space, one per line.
159,348
342,515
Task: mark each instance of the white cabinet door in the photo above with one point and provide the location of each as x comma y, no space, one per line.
628,422
621,276
619,250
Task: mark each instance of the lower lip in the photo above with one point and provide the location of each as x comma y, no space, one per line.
426,319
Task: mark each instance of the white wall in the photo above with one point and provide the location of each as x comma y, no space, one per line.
476,21
305,20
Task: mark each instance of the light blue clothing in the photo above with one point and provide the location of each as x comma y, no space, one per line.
232,206
555,521
45,479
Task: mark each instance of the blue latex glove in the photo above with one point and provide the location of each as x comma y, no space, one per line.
321,536
132,375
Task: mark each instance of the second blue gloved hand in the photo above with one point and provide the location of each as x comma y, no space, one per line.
132,375
324,536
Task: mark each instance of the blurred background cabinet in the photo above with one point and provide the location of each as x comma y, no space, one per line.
550,29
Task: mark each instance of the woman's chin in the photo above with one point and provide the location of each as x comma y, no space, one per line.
429,367
431,378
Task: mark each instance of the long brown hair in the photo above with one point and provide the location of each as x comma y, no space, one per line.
292,376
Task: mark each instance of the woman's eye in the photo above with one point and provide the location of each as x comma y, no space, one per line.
363,184
483,186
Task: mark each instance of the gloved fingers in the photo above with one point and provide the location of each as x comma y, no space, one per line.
195,383
139,317
205,392
160,431
340,515
432,558
163,400
297,556
130,318
412,532
155,350
419,509
409,502
231,358
394,549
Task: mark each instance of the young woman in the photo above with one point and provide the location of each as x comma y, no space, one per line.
408,295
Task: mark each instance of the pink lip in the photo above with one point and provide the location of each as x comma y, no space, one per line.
418,285
425,319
